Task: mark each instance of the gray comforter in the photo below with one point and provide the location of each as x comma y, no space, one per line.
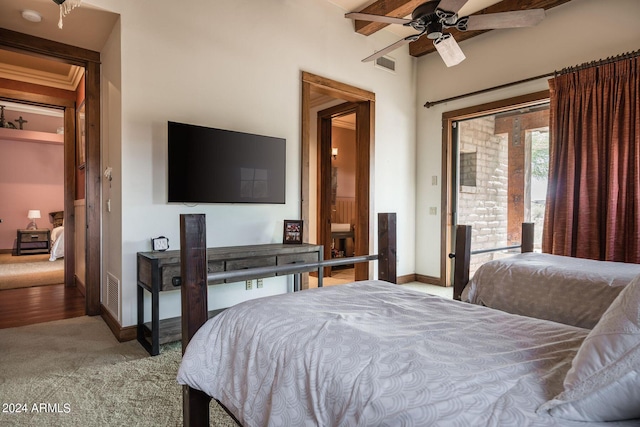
375,354
573,291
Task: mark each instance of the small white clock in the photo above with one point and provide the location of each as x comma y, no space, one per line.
160,243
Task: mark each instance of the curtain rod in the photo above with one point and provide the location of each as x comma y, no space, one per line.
567,70
609,60
478,92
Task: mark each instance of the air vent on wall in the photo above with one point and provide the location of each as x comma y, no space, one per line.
113,295
386,63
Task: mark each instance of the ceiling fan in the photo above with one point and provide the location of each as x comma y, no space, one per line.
433,17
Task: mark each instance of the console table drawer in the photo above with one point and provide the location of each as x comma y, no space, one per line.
297,259
169,271
246,263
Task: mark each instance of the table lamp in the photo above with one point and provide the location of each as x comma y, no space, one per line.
33,215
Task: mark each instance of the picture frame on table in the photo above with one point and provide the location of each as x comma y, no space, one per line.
292,231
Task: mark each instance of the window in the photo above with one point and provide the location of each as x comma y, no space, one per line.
468,169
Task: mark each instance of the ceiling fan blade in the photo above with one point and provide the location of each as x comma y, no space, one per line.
451,5
492,21
449,50
376,18
389,48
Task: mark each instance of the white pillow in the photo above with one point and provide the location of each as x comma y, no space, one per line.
603,383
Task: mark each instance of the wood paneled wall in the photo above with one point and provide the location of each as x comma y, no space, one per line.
344,211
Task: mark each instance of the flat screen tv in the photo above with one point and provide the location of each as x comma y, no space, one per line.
208,165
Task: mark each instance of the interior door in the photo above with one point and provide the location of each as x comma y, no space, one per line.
324,184
325,137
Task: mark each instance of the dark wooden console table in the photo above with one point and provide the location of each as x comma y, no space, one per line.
160,271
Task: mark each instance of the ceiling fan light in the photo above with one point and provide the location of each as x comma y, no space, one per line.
449,50
434,30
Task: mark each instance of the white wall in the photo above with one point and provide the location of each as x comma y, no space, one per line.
31,177
576,32
236,64
111,156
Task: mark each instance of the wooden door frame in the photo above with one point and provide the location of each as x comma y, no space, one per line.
365,136
448,118
90,61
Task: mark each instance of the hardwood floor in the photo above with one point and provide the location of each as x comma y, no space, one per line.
26,306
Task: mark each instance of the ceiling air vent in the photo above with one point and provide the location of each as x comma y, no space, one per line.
386,63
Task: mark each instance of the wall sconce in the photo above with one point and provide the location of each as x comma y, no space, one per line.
33,215
334,153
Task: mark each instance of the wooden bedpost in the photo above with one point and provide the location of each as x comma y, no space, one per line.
387,247
462,259
527,236
193,260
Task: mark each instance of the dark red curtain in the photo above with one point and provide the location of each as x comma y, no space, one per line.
593,198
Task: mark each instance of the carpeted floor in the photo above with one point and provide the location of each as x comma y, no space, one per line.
29,270
75,373
7,258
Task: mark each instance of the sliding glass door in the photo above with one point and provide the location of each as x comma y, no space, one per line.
500,166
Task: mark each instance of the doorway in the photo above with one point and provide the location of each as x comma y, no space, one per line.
37,284
335,99
90,61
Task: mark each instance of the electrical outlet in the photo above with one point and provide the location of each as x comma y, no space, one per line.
434,180
249,284
259,283
433,210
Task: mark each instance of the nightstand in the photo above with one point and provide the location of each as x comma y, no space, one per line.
34,241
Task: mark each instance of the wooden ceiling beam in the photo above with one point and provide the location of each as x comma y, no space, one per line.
393,8
424,46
